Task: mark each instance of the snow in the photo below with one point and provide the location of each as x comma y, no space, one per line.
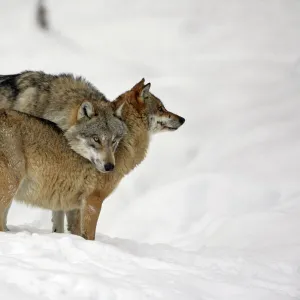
213,211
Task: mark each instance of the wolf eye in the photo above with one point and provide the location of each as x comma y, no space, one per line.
160,109
96,139
114,142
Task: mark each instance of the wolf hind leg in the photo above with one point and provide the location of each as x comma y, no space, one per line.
58,221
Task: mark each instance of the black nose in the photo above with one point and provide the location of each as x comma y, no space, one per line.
109,167
181,120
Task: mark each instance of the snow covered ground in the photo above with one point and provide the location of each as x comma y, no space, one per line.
214,210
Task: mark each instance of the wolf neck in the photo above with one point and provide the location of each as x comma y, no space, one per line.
133,147
65,118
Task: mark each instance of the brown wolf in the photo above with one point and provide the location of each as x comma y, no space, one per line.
38,167
144,114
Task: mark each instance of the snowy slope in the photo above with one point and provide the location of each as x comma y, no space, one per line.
213,212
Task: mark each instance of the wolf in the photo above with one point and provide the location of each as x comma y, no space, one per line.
38,167
74,104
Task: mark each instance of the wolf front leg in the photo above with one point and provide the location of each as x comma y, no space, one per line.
5,218
90,214
58,221
4,207
74,221
8,186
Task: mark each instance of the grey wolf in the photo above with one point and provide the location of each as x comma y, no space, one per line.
75,105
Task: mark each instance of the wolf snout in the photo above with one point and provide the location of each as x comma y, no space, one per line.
109,167
181,120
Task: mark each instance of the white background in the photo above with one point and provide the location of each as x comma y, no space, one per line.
214,210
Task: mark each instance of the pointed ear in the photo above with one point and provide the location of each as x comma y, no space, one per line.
86,109
145,91
118,111
139,85
143,94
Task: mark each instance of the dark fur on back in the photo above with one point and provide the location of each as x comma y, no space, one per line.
10,81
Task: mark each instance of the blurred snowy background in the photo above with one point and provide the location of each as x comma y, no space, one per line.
214,210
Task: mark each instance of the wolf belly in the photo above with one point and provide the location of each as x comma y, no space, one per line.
34,193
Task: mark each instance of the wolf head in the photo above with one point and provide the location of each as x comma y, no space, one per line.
96,134
158,118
